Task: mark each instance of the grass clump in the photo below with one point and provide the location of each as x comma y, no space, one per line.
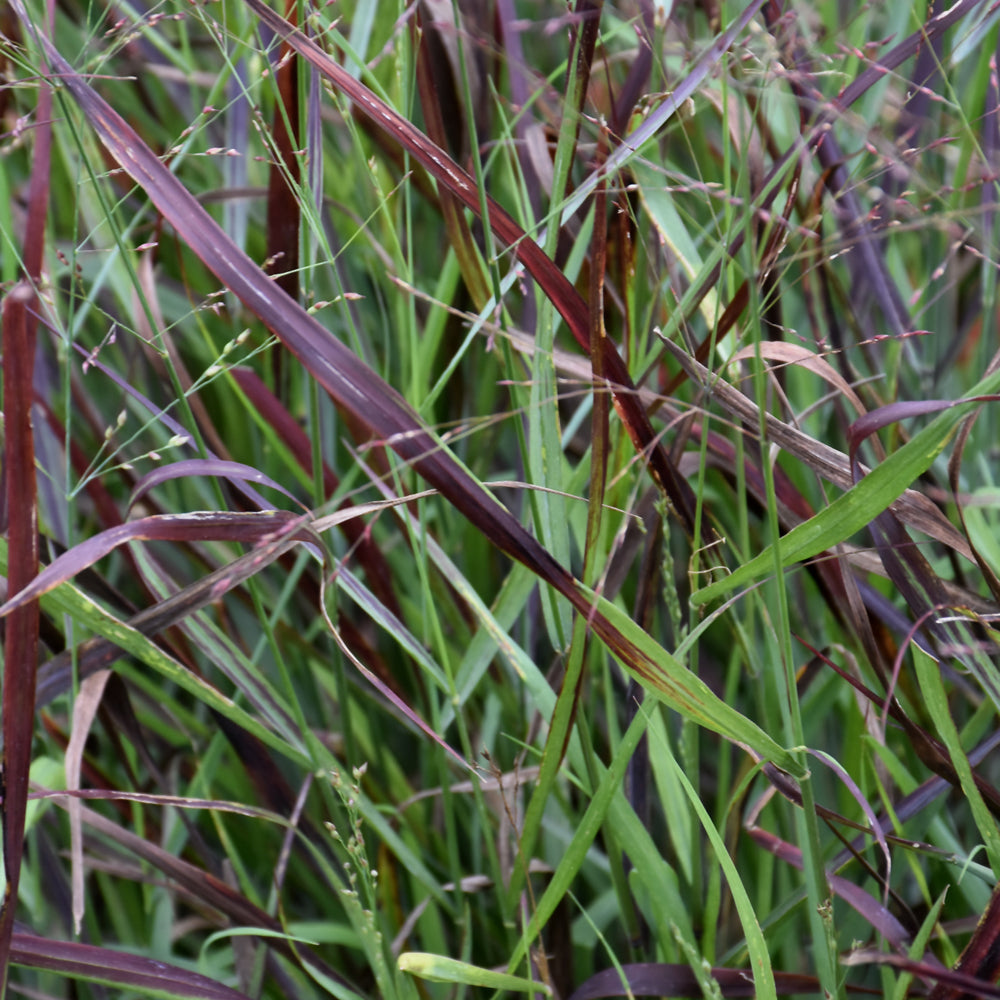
499,497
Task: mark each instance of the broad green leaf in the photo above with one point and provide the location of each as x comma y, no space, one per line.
683,690
856,508
439,969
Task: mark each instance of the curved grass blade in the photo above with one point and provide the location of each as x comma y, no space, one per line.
116,968
763,974
959,985
232,471
872,910
254,528
119,636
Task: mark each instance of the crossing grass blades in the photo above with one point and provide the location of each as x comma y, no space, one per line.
500,497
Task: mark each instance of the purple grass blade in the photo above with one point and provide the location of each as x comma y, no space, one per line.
685,88
829,463
94,654
637,82
347,379
960,986
21,635
991,149
20,324
206,887
914,114
980,959
284,213
905,564
583,40
920,799
527,131
231,471
256,528
440,165
874,273
851,785
906,49
875,913
867,265
397,702
892,413
368,399
171,424
115,968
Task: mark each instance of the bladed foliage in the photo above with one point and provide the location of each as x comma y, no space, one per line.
498,450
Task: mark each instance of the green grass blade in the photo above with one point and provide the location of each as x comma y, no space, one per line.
851,512
440,969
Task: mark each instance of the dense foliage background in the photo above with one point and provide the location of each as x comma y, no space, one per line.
500,496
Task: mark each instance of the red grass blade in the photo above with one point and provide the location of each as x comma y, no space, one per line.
21,637
980,960
20,322
115,968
